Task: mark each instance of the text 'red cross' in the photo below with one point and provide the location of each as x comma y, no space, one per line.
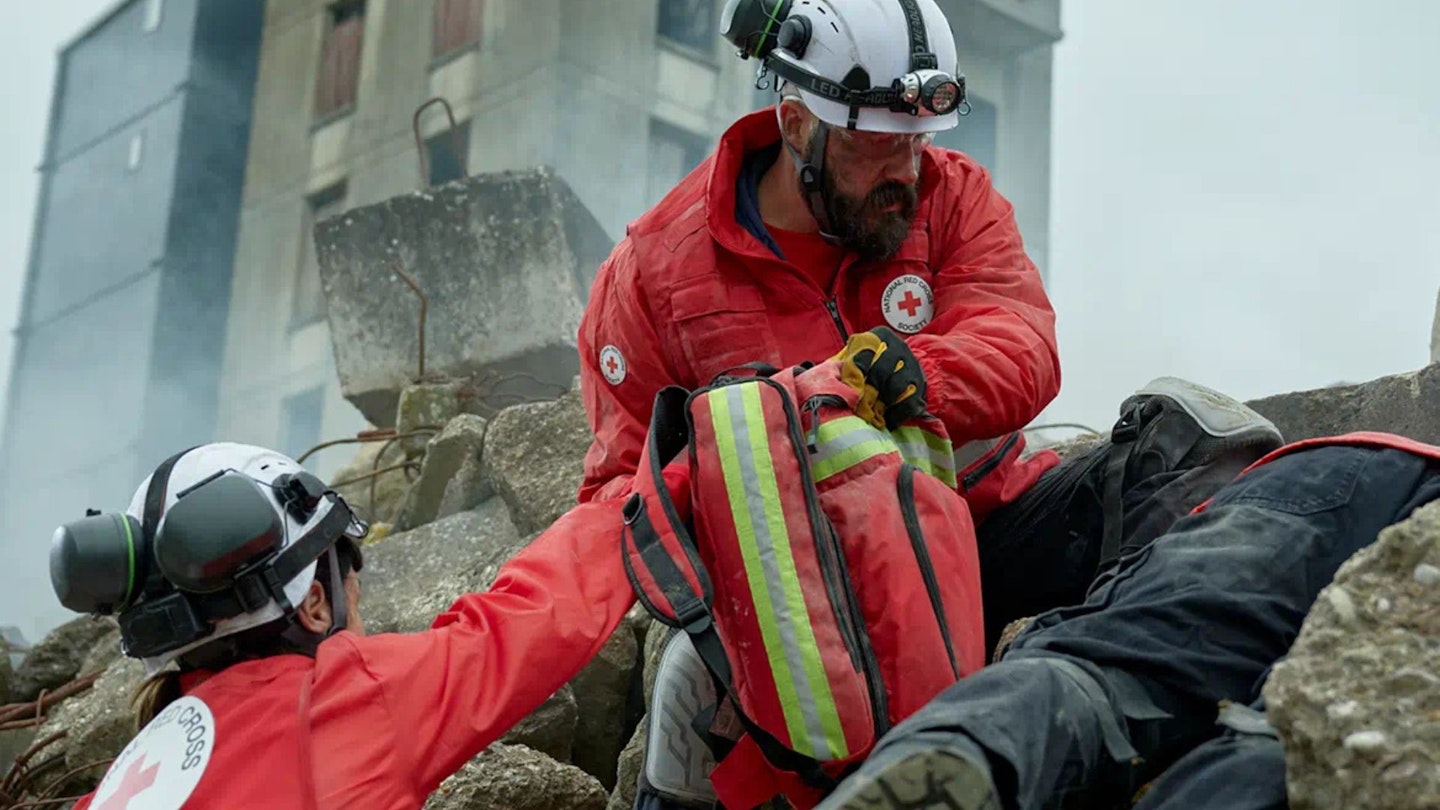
136,781
910,303
611,364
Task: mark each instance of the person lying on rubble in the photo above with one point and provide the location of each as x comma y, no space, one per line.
1091,702
235,576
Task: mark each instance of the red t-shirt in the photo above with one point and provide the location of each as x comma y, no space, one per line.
810,254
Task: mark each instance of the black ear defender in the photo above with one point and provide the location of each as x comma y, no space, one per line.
97,562
754,26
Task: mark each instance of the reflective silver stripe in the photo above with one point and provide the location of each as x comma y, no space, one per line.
971,452
785,623
840,435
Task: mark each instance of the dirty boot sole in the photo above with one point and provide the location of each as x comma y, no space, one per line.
923,779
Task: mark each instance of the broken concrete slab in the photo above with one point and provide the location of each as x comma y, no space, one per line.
57,659
1357,700
513,777
603,694
1405,404
452,478
505,261
549,729
425,407
412,577
99,723
535,459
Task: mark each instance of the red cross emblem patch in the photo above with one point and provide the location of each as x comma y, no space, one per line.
160,768
612,365
908,304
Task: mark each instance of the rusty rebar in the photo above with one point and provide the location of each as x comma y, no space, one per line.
40,705
46,798
17,772
372,475
359,438
455,144
424,309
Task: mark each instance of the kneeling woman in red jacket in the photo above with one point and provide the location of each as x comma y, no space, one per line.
234,576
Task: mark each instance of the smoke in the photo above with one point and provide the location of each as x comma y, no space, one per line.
133,249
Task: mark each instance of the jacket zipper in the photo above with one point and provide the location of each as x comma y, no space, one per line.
834,311
837,574
989,465
906,489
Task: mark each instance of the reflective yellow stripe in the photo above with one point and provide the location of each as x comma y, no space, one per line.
928,452
843,443
742,440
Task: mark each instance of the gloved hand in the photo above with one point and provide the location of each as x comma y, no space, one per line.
882,368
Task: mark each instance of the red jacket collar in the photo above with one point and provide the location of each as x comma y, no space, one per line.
258,670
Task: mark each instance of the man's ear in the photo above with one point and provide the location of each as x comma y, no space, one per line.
314,612
796,123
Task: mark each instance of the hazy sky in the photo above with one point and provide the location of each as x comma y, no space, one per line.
1245,193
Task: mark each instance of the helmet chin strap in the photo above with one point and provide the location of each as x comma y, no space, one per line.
811,171
339,611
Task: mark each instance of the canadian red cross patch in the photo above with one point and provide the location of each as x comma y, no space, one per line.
908,304
612,365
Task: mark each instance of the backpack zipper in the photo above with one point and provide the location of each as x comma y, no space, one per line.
905,487
988,466
837,574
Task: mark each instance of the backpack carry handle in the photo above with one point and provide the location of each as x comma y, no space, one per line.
661,558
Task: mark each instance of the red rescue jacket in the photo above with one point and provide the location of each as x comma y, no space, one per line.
689,293
378,721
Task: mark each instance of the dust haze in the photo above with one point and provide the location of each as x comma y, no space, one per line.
1243,194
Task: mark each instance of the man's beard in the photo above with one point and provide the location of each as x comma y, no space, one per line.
863,225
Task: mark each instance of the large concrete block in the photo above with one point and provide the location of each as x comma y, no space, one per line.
505,261
1407,404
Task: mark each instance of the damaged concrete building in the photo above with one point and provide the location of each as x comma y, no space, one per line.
619,99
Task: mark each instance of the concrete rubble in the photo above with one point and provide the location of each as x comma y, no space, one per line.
475,469
59,657
505,262
584,746
1403,403
513,777
1357,701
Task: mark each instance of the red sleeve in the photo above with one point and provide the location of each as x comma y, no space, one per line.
989,357
618,325
494,657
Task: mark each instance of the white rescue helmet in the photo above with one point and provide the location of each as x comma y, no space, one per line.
896,58
264,467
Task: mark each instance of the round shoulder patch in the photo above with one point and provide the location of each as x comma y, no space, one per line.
160,768
612,364
908,304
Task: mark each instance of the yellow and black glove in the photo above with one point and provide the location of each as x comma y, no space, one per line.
882,368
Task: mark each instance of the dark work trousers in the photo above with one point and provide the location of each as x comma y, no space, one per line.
1096,699
1242,769
1042,550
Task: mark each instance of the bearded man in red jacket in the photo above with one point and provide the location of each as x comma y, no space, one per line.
831,224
